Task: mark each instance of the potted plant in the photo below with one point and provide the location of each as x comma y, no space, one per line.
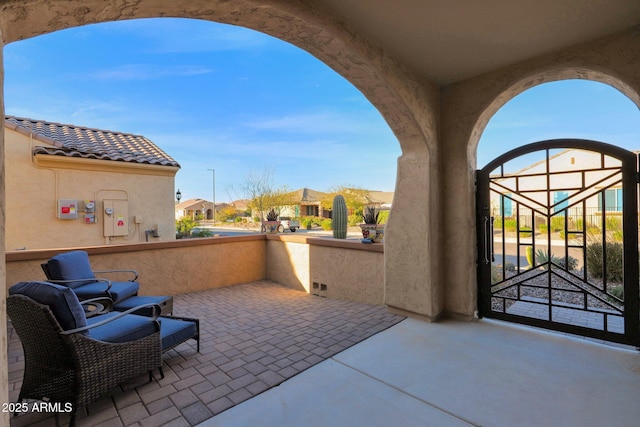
371,229
271,225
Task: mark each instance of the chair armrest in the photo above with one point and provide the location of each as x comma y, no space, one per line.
133,272
156,314
93,279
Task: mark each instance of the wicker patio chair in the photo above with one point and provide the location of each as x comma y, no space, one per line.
73,269
63,362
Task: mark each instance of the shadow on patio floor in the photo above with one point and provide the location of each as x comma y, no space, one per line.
253,337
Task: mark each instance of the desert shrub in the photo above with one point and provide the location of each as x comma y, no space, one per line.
509,266
201,233
239,219
354,220
614,260
184,227
543,256
510,225
542,228
557,223
617,291
326,224
525,232
571,264
383,217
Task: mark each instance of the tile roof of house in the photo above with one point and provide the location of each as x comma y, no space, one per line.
307,195
76,141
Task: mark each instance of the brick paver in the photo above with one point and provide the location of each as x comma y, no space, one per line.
253,337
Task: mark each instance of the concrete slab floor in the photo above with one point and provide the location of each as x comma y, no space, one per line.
452,373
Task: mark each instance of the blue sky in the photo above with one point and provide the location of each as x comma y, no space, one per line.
235,100
211,96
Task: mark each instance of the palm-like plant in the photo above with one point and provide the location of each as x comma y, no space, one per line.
370,215
272,215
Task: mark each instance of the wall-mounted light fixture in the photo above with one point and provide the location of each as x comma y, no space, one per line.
178,195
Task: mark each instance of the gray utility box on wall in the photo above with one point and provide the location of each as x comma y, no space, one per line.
67,209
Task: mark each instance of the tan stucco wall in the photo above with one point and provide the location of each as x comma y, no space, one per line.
33,186
349,269
164,268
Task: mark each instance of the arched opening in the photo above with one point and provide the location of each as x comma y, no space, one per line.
207,94
557,230
410,110
561,109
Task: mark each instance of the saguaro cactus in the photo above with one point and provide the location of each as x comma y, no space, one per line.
339,217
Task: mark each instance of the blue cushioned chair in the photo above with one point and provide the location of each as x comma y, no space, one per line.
68,360
72,358
73,269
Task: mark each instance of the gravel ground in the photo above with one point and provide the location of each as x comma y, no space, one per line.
566,288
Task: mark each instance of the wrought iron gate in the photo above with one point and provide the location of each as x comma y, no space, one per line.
557,229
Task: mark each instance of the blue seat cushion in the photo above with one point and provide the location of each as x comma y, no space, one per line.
72,265
61,300
130,327
118,291
174,331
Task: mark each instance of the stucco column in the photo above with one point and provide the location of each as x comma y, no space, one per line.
412,239
4,370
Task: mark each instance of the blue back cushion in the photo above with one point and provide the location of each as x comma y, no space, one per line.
62,301
72,265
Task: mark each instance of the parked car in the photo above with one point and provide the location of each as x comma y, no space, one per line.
291,224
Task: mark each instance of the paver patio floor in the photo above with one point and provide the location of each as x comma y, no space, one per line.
253,337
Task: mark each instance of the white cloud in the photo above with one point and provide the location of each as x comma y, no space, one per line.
146,72
313,123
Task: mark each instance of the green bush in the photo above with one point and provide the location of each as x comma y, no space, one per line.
354,220
614,260
557,223
617,291
383,217
509,225
239,219
184,227
326,224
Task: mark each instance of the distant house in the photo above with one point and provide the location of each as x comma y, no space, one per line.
71,186
305,202
194,209
573,169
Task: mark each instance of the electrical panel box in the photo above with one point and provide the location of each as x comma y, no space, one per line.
67,209
116,217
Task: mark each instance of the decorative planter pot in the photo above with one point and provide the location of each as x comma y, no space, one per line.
375,232
271,227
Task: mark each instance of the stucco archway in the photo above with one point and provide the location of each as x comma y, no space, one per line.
409,106
467,107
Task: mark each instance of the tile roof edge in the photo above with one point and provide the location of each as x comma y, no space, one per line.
77,127
40,137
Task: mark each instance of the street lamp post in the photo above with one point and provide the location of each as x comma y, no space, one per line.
214,195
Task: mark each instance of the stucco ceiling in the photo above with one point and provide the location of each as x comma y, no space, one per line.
451,40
